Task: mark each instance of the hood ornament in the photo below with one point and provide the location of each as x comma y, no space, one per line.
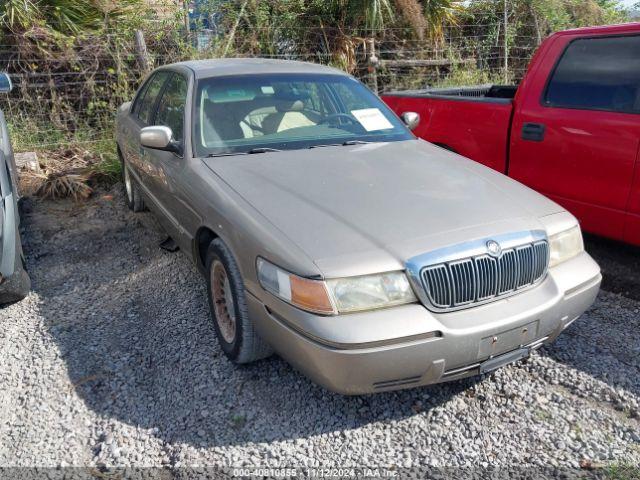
494,248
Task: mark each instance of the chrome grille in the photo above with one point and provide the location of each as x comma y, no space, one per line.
483,278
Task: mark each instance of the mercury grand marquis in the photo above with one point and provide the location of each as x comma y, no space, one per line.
367,258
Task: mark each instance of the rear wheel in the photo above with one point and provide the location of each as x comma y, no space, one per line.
227,300
134,198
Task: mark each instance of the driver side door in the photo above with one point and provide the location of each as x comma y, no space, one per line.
168,167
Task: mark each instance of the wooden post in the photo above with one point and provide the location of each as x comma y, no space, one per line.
141,52
186,19
373,65
232,33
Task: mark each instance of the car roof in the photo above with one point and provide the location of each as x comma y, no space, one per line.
242,66
622,28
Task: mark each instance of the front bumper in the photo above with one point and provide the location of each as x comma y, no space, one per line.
410,346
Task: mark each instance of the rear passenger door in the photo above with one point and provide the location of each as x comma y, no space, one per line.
576,132
142,112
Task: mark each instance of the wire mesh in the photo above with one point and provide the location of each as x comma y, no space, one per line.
70,94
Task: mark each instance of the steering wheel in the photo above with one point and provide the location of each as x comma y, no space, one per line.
336,116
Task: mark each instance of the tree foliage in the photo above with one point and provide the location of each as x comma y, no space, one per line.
83,59
69,17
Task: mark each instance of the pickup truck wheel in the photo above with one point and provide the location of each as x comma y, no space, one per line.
132,191
227,301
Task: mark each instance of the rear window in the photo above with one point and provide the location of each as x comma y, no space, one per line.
598,74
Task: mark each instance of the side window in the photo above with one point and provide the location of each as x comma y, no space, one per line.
598,74
145,112
138,100
171,106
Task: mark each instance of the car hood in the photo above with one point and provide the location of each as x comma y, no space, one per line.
368,208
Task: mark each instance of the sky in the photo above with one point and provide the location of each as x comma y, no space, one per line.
628,3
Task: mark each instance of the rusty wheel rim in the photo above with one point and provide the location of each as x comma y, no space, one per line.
225,311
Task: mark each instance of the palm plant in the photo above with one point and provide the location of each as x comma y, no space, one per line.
68,17
411,11
438,14
429,16
368,14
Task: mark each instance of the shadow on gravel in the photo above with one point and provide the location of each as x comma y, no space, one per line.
605,342
620,264
132,324
605,351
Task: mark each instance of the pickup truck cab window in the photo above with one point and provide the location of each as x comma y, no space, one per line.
171,106
598,74
237,114
147,102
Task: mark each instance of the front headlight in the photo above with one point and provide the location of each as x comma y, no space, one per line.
369,292
565,245
341,295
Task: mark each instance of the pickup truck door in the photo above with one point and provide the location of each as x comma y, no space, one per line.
576,129
632,226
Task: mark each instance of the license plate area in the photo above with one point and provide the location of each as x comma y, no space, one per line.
504,359
508,340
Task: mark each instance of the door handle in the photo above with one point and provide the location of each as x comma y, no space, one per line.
533,132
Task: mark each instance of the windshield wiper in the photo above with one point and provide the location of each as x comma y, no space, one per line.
252,151
263,150
226,154
343,144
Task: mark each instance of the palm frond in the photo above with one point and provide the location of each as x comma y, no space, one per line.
411,11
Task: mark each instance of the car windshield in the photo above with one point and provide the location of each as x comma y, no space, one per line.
251,113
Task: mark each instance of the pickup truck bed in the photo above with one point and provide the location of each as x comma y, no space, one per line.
481,133
569,130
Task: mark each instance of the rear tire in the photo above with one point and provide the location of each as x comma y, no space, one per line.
133,196
227,300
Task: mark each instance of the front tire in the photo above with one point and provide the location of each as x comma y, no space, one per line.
227,300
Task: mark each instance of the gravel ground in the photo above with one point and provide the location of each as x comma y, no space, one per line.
112,360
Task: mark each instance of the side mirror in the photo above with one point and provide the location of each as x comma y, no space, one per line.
159,138
410,119
5,83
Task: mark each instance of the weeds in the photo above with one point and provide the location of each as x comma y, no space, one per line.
238,420
621,471
73,171
62,185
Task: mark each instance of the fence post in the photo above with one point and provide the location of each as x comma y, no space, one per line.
141,51
373,61
187,29
232,33
506,43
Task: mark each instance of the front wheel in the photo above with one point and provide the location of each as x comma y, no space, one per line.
227,300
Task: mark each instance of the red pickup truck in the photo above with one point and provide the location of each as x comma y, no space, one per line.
570,130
